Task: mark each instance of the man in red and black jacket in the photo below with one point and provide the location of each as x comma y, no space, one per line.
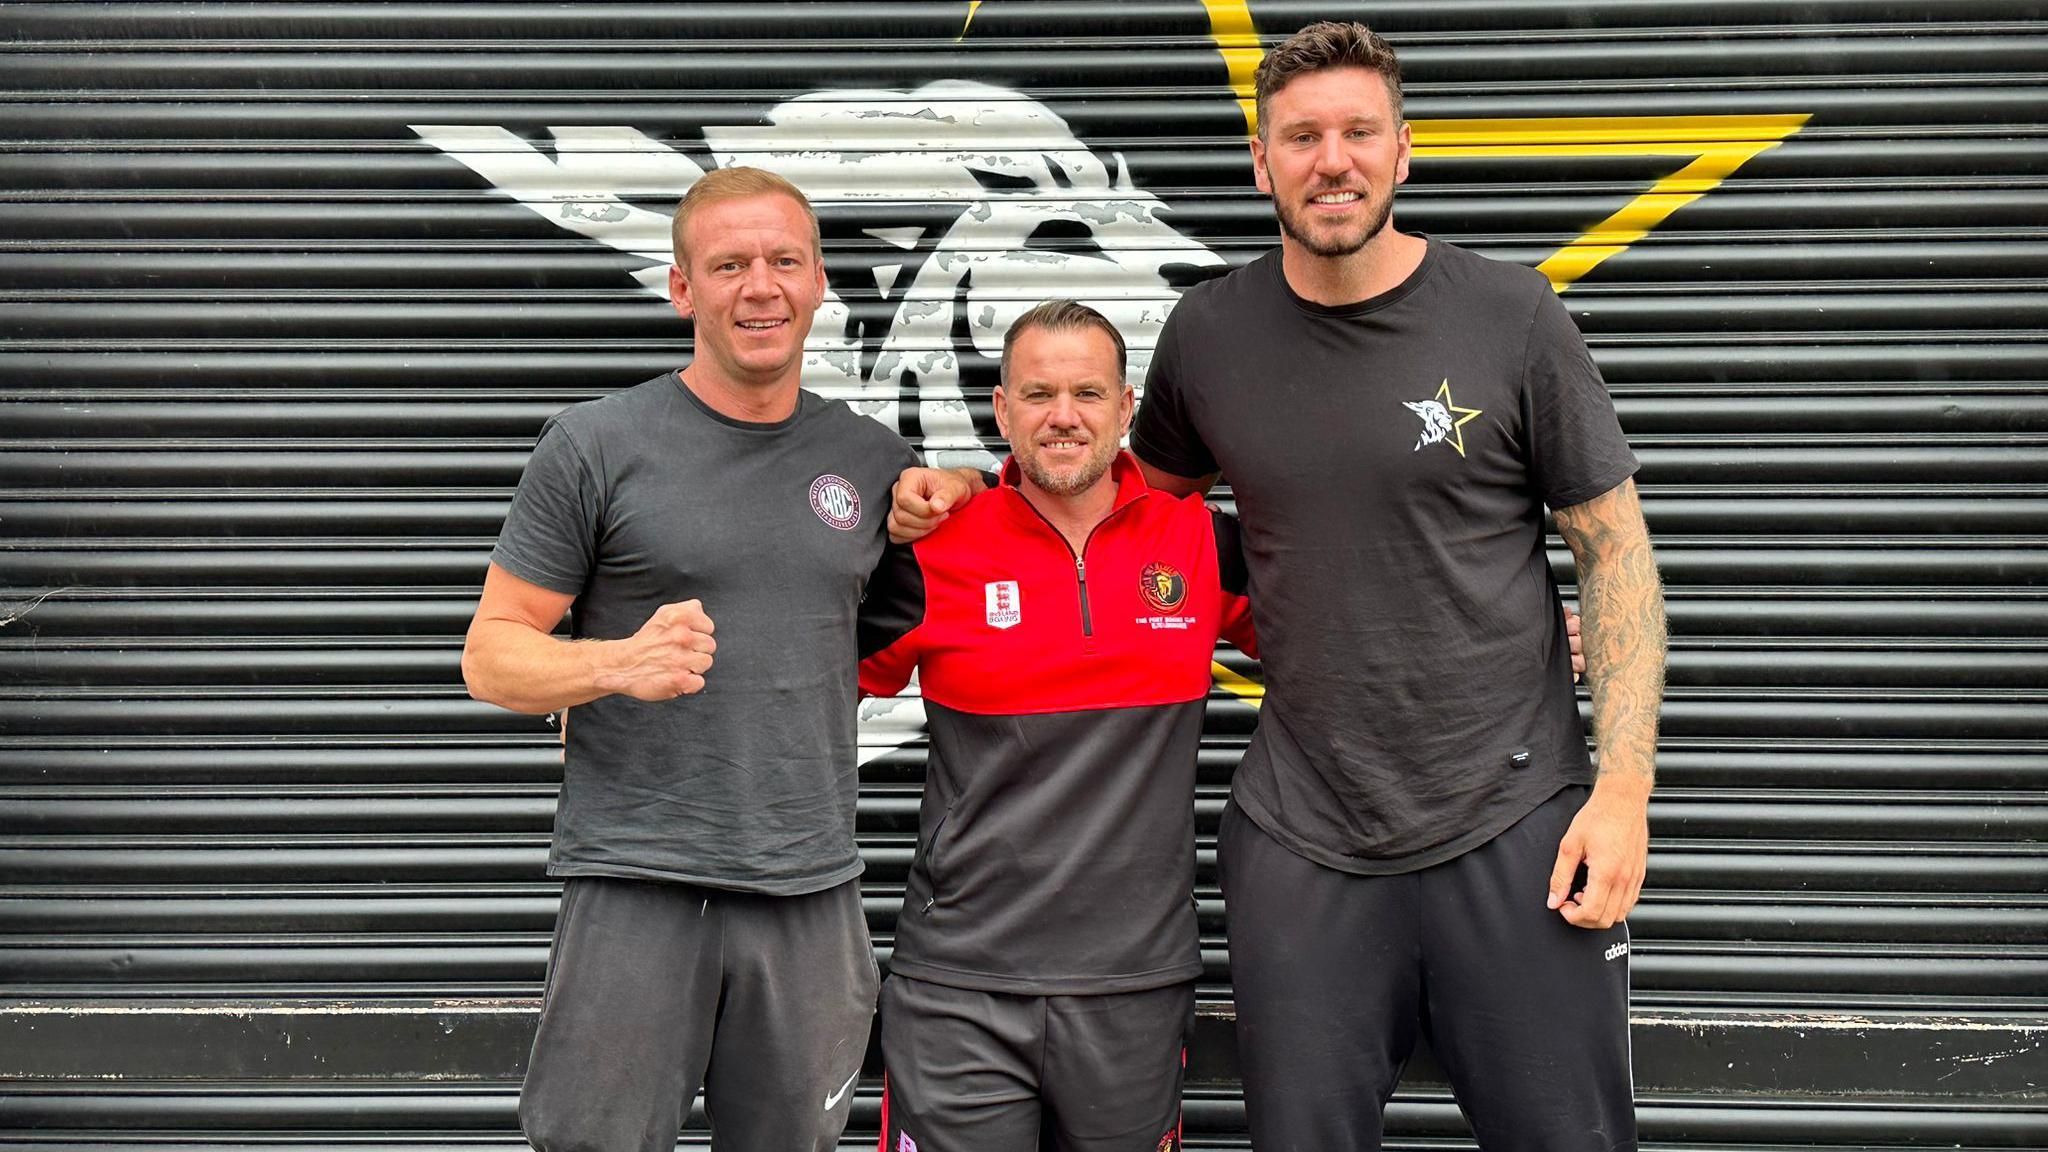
1062,628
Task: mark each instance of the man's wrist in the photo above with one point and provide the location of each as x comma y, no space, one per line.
1623,783
603,666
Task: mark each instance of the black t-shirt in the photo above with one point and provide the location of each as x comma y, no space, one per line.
647,497
1391,460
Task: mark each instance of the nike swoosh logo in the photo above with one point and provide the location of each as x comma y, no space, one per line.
833,1100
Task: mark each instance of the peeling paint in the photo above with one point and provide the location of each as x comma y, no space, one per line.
1111,211
1994,1057
928,114
600,213
12,610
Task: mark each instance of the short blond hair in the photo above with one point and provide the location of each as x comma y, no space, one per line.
737,184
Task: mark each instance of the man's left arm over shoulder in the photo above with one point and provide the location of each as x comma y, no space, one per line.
1622,604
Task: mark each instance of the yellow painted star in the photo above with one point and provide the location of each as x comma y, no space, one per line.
1463,416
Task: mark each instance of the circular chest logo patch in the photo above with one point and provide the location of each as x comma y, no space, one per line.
1163,587
835,502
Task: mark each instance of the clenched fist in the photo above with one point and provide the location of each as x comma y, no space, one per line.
924,496
665,659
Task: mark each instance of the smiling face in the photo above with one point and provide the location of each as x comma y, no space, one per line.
753,284
1330,153
1064,407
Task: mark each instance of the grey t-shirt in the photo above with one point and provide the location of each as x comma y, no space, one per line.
647,497
1391,459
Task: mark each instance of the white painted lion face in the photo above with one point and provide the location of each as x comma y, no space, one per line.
987,204
1001,205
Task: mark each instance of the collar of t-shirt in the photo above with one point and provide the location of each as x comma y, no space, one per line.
803,404
1385,299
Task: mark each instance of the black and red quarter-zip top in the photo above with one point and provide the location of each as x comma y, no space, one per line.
1064,694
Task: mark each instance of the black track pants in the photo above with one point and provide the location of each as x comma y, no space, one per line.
1336,974
991,1072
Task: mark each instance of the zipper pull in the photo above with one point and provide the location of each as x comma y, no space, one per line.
928,904
1081,577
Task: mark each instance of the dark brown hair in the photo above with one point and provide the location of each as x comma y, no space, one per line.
1320,47
1062,316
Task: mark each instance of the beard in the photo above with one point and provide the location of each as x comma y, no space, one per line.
1338,240
1072,483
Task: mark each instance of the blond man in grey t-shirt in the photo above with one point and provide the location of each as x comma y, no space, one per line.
711,932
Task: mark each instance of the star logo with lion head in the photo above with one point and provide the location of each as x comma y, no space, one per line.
1442,419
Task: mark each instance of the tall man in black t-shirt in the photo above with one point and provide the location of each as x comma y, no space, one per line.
1402,852
711,930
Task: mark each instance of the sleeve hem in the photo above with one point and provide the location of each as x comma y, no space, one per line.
1606,482
535,575
1165,461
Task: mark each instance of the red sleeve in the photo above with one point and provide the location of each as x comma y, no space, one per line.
886,672
1237,624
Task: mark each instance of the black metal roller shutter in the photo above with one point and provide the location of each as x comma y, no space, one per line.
287,289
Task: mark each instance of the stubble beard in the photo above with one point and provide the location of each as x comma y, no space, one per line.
1336,243
730,362
1070,484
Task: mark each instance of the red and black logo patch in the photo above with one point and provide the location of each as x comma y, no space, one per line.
1163,587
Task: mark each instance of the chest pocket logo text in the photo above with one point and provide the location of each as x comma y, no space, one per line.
1005,606
836,502
1442,420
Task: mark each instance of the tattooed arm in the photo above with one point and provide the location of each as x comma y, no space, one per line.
1623,632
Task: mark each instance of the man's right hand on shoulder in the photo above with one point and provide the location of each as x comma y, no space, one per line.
925,497
666,658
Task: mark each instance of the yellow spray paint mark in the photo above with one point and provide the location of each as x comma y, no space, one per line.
1243,687
1230,23
1614,234
1607,135
1713,147
972,7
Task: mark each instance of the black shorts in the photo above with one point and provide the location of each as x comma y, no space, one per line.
975,1071
656,989
1336,974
